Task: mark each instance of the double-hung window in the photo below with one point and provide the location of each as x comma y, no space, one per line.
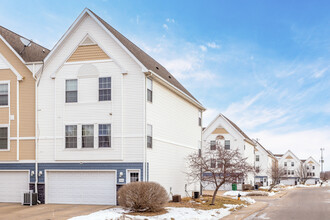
71,90
213,145
3,138
285,164
213,163
105,89
227,144
199,118
257,158
87,136
4,94
149,136
149,90
292,164
104,135
313,167
71,136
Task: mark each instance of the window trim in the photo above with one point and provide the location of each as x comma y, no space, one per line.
215,145
66,92
98,91
151,90
8,136
65,136
257,158
98,136
8,83
128,171
292,164
88,124
225,144
148,136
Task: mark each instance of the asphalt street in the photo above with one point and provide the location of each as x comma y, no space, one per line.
306,203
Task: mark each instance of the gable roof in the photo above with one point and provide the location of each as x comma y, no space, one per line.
238,129
32,53
267,151
294,156
144,58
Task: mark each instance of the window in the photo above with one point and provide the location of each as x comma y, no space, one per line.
227,144
292,172
257,169
213,145
285,172
71,91
313,167
149,136
257,158
104,135
71,136
134,177
292,164
313,174
285,164
199,118
307,167
219,163
149,90
87,136
105,89
3,138
3,94
212,163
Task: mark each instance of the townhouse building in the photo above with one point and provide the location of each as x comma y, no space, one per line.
109,114
264,161
291,163
19,60
231,137
312,169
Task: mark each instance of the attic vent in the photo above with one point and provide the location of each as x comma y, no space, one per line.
169,77
87,41
157,67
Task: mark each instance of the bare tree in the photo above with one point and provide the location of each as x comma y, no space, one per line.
303,172
217,166
325,175
276,172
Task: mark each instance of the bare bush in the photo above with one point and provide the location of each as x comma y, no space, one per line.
143,196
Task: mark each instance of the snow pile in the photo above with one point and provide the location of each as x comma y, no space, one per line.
271,193
235,193
173,213
248,200
264,187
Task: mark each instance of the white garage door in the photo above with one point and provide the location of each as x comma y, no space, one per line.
81,187
288,182
13,184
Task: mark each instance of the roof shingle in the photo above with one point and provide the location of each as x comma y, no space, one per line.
32,53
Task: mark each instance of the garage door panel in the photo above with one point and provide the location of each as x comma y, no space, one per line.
81,187
12,185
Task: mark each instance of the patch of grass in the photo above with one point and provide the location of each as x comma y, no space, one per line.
204,202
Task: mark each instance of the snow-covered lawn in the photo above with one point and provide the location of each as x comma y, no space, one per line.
235,193
172,213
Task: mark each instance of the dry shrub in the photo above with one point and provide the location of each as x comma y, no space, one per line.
143,196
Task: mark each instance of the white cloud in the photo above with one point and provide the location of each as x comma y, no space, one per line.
213,45
170,20
209,115
165,26
203,48
320,73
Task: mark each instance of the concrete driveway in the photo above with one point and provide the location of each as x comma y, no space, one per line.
14,211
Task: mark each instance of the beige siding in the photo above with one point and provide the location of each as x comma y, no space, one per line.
9,155
26,106
4,115
26,149
220,131
88,52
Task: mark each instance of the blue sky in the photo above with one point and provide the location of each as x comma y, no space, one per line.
264,64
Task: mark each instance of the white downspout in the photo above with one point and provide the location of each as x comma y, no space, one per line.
36,132
17,118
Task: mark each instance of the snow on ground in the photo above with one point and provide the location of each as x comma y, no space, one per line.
248,200
235,193
173,213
